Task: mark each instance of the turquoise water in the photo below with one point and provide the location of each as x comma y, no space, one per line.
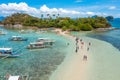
103,57
38,63
113,37
115,23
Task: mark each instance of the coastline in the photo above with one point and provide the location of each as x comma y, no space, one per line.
102,64
74,68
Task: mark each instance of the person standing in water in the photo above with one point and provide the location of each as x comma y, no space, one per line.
89,43
80,40
87,48
85,57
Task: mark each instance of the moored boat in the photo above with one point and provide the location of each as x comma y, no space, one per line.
36,45
41,43
45,40
17,38
7,53
17,77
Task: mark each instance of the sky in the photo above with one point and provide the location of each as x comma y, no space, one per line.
66,8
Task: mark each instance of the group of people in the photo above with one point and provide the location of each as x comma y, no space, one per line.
82,45
77,46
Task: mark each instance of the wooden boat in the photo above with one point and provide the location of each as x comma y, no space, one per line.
41,43
7,53
45,40
18,77
37,45
17,38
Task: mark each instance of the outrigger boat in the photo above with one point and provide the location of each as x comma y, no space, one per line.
7,53
45,40
41,43
17,38
18,77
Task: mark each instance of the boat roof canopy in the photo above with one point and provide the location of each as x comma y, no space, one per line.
42,38
14,78
37,43
16,36
6,49
46,39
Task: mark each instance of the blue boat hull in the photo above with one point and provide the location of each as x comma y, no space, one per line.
8,56
18,39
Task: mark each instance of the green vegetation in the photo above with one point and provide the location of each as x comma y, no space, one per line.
109,18
85,24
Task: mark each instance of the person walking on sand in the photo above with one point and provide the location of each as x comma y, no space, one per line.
85,57
89,43
67,43
80,40
87,48
81,46
76,43
77,39
82,43
76,50
78,47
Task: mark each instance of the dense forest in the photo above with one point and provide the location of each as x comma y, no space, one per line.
66,23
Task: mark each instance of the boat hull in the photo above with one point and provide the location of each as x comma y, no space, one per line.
8,56
18,39
38,47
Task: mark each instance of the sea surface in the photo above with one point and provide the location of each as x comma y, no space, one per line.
38,64
104,61
113,36
103,55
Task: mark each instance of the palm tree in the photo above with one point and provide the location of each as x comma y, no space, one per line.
48,15
58,15
42,16
53,15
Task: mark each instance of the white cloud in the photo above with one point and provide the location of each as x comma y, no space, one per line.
10,8
90,13
112,7
44,8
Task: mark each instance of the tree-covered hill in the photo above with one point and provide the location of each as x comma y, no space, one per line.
85,24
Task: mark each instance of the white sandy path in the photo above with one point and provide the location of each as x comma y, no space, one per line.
73,67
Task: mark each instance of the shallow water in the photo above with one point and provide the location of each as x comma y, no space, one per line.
113,37
38,63
104,55
104,61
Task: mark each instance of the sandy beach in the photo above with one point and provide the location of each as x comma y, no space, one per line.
73,67
98,66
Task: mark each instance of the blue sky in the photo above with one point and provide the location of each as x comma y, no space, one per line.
70,8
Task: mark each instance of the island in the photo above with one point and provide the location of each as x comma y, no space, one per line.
21,20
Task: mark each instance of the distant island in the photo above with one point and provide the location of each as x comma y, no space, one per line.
66,23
